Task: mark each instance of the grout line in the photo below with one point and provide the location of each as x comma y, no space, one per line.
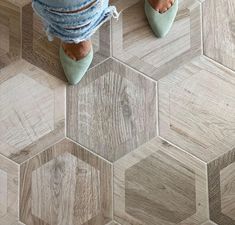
90,151
207,193
8,159
157,109
181,149
43,150
112,177
202,34
218,64
111,37
133,69
98,64
18,197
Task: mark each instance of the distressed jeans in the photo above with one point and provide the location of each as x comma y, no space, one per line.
73,21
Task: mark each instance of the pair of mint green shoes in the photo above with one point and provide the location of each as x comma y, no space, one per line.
159,22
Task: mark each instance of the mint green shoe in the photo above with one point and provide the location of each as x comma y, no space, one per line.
161,23
75,70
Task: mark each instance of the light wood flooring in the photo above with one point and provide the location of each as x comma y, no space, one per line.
146,138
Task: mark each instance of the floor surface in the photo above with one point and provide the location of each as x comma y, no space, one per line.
146,138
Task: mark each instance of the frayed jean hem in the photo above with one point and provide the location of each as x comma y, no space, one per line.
76,25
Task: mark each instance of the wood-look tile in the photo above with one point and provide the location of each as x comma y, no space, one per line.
66,185
114,223
112,110
197,108
18,223
221,178
10,33
219,31
135,44
45,54
159,184
32,110
209,223
8,192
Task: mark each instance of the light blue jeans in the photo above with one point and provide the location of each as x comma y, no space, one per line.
73,21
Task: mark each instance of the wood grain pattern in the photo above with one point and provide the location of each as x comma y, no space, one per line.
31,107
219,31
159,184
66,185
197,108
209,223
227,180
3,193
136,45
5,38
45,54
81,200
121,105
8,192
221,190
10,37
17,223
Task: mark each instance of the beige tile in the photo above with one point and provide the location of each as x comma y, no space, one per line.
196,108
10,34
209,223
135,44
17,223
159,184
219,31
112,111
8,192
45,54
66,185
32,110
221,178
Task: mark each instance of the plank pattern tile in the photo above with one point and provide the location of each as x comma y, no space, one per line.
10,33
66,185
159,184
219,31
32,110
135,44
45,54
197,108
8,192
112,111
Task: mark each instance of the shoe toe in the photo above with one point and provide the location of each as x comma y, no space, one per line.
161,23
75,70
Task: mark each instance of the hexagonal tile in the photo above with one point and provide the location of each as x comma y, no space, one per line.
221,180
197,108
219,31
8,192
135,44
32,110
64,184
160,184
10,34
63,170
45,54
112,111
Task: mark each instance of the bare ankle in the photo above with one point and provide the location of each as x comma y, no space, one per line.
77,51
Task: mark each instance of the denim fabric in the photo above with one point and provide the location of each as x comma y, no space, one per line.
73,21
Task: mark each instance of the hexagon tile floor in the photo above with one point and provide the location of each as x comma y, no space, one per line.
146,138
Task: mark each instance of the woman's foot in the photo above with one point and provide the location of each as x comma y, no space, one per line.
77,51
161,5
76,59
161,15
